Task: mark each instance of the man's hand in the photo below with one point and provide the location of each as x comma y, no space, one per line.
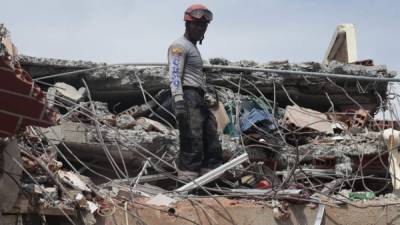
211,97
180,111
210,100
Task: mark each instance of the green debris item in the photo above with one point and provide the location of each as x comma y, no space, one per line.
279,112
361,195
230,127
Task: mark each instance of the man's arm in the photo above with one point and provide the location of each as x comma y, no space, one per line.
176,61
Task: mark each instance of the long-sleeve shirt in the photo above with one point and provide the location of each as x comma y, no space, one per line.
185,67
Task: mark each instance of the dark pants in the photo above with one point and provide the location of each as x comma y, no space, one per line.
199,141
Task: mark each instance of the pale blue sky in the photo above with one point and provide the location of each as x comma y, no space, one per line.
140,31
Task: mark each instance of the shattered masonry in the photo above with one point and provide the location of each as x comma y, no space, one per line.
297,148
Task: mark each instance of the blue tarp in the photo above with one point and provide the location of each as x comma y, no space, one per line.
256,116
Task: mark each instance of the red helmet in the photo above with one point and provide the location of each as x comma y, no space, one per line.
198,12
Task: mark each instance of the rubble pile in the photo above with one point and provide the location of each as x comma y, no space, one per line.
123,84
288,139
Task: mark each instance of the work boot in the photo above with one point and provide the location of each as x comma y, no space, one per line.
187,176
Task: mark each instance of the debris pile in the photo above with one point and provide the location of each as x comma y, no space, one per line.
292,134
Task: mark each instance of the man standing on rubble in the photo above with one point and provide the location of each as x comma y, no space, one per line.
200,149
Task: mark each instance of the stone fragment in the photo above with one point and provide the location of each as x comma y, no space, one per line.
152,125
69,92
73,180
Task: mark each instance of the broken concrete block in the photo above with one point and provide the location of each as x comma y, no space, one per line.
9,47
92,206
151,125
66,131
83,141
343,46
6,45
51,192
73,180
125,121
339,126
40,191
33,188
84,203
68,92
87,112
298,117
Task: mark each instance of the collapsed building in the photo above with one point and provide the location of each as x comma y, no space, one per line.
301,143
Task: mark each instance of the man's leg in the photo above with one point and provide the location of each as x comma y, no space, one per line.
212,145
191,133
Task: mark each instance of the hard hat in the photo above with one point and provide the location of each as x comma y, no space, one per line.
198,12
